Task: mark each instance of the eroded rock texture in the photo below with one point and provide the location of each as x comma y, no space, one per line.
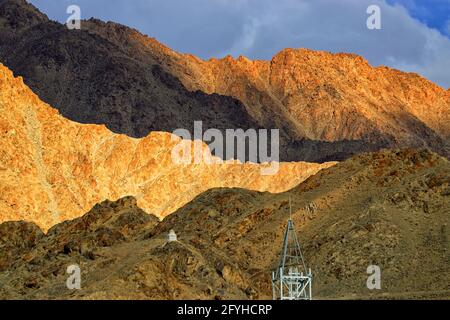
53,169
327,106
389,209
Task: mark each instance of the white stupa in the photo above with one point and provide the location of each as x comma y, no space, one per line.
171,236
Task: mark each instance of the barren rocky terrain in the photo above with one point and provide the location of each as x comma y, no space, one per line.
389,208
327,106
92,80
53,169
87,175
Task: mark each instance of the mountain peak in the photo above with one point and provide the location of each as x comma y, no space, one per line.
18,14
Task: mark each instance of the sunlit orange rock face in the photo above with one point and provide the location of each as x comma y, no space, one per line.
319,95
328,96
53,169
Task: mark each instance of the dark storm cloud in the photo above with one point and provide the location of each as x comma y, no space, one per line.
259,29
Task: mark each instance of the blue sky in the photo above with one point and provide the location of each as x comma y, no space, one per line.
434,13
415,34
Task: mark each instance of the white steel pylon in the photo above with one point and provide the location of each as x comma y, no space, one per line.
291,280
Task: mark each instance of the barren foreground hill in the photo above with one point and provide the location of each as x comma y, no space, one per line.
327,106
53,169
389,209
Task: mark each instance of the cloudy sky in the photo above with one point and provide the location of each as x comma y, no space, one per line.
414,34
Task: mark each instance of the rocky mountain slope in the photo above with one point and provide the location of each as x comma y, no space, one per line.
313,95
327,106
389,209
53,169
92,80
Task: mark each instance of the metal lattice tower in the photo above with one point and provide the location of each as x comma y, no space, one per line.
291,280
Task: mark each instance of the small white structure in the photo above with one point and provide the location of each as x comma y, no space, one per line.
171,236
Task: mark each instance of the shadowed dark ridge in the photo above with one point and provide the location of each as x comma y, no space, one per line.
92,80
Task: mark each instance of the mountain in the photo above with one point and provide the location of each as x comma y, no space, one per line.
92,80
326,106
53,169
397,218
